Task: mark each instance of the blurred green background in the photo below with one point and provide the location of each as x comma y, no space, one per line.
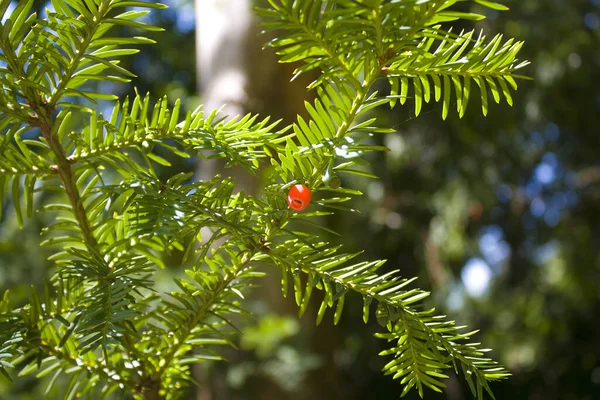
498,216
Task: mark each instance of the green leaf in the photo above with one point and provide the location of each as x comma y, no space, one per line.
492,5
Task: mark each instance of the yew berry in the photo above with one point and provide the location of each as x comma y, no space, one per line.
299,197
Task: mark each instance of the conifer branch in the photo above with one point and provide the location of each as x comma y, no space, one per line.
148,340
79,53
196,317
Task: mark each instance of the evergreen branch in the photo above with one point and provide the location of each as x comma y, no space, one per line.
34,332
91,36
58,52
425,363
324,34
125,228
153,210
59,362
92,23
309,37
176,211
416,364
110,292
47,348
452,66
240,140
197,301
113,286
425,342
15,67
360,278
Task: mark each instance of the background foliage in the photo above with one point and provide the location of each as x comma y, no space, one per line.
511,199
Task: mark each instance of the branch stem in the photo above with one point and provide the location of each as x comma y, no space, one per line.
63,167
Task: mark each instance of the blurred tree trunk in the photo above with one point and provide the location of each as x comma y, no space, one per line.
234,71
221,26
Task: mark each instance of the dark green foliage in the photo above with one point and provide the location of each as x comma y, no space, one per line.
100,319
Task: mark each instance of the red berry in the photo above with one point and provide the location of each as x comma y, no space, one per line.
299,197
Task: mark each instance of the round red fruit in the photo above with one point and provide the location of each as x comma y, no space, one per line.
299,197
